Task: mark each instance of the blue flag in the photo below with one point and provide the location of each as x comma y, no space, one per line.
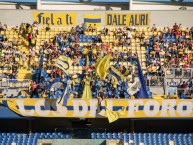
65,96
142,91
38,77
40,68
53,82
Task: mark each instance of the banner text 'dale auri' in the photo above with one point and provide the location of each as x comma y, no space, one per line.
131,19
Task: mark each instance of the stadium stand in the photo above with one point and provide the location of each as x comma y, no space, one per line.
156,48
29,139
147,138
131,138
55,112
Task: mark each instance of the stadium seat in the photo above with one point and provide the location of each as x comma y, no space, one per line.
98,135
93,135
109,135
115,136
67,136
104,136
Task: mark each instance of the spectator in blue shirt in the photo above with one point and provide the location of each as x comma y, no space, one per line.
183,96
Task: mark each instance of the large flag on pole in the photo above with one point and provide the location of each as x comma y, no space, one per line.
53,82
142,91
40,68
102,66
64,63
24,92
87,94
125,71
63,100
117,75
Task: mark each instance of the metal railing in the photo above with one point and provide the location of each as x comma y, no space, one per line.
14,83
177,76
155,81
178,73
80,133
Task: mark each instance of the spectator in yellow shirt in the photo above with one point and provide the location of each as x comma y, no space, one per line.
175,96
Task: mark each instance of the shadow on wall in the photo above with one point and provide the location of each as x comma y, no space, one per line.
108,8
28,76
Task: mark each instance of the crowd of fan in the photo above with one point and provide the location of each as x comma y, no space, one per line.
165,48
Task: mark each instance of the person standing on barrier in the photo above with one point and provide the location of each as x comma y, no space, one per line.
34,90
69,85
100,99
23,59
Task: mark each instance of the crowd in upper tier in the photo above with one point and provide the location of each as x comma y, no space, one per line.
156,48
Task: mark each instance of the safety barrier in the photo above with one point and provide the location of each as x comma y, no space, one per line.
14,83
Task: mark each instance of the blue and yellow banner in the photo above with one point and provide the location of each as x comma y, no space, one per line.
92,19
130,19
55,18
85,108
24,92
116,74
64,63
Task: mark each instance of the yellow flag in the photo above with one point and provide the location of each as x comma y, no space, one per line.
24,92
114,115
102,66
1,101
97,61
87,61
64,63
13,106
44,95
29,86
87,94
115,82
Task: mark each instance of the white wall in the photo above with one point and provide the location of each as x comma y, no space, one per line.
13,6
136,5
79,6
160,6
43,5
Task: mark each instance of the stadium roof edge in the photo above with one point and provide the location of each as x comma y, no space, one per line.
95,1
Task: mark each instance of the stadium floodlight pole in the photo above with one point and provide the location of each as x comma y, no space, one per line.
38,4
130,4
